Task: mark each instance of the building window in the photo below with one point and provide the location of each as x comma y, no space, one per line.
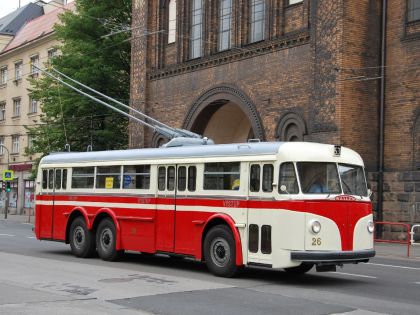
52,52
18,70
34,64
257,20
30,141
413,10
172,22
15,144
196,29
1,145
225,24
2,111
3,75
33,105
290,2
16,107
29,194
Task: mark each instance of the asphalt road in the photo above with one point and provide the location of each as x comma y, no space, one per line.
45,278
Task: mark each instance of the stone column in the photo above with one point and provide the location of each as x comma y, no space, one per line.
138,69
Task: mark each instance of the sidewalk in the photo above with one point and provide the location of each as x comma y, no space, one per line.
382,249
18,218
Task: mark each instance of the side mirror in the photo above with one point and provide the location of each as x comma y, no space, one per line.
370,192
283,188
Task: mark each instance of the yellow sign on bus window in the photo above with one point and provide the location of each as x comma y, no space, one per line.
109,182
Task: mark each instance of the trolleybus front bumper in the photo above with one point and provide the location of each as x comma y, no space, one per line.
333,257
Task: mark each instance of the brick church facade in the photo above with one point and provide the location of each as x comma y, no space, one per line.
288,70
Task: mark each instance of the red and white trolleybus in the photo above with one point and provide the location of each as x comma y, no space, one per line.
280,205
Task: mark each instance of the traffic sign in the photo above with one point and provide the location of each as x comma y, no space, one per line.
8,175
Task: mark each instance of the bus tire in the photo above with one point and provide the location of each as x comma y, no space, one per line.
220,251
299,270
106,240
81,239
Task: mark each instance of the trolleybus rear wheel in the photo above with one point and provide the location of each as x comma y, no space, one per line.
82,240
106,240
299,270
220,251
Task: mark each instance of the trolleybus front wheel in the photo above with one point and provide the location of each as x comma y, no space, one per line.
82,240
106,240
220,251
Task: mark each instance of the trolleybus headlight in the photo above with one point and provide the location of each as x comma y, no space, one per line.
370,226
315,227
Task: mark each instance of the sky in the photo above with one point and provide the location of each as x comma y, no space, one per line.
7,6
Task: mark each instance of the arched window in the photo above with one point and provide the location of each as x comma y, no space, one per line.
225,24
196,29
291,127
172,22
257,20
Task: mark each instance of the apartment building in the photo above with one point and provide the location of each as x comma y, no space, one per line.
33,44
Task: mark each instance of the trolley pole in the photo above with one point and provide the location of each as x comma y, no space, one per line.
6,193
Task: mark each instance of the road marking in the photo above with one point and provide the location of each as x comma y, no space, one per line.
7,235
394,266
417,283
352,274
30,237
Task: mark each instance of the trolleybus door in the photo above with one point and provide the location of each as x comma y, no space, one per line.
260,217
187,232
165,209
46,208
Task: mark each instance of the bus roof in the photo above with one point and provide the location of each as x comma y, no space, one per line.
292,151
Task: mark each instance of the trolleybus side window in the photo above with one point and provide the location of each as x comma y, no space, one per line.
267,178
222,176
44,179
108,177
58,178
318,178
83,177
192,178
182,178
287,177
170,185
161,178
136,176
51,179
64,179
254,182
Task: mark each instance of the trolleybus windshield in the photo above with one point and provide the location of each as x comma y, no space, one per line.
324,178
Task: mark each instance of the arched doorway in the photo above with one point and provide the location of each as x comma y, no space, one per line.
229,124
226,115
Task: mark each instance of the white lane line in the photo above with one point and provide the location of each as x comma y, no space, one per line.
417,283
7,235
352,274
30,237
394,266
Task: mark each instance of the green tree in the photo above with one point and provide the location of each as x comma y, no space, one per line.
102,62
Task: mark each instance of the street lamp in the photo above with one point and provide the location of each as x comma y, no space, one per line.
6,204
